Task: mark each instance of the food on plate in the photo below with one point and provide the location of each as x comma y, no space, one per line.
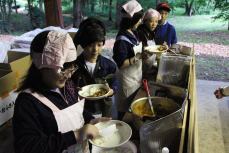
97,92
94,91
156,48
162,48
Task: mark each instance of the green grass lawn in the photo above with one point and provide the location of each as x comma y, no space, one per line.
203,23
195,29
200,29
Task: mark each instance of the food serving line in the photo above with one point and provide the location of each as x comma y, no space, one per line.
172,126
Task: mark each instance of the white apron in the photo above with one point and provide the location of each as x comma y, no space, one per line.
129,79
68,119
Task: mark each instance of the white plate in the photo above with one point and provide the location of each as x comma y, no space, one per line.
154,49
88,90
118,138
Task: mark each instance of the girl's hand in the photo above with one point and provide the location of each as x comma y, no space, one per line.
101,119
88,131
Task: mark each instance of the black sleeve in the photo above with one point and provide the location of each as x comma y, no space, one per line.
87,116
28,134
120,52
113,83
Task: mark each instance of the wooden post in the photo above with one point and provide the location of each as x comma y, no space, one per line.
53,13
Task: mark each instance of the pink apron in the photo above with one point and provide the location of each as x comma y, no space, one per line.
68,119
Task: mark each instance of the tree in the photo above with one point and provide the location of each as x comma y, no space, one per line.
15,4
223,7
118,13
189,7
40,4
6,9
110,11
157,2
77,13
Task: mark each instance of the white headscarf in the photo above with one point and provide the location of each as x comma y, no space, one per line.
131,7
59,49
151,13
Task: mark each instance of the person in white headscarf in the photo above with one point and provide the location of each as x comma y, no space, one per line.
146,31
44,121
127,52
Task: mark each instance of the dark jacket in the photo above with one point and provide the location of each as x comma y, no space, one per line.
165,33
35,128
82,77
122,49
144,34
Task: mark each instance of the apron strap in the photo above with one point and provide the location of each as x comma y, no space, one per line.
43,100
124,38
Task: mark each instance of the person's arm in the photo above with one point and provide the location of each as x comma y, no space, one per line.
173,36
29,135
128,62
120,54
226,91
222,92
87,116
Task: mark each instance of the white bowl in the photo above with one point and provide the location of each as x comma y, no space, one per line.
89,90
118,138
128,147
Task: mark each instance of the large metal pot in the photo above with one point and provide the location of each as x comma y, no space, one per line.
162,107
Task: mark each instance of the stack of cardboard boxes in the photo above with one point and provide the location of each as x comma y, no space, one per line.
11,74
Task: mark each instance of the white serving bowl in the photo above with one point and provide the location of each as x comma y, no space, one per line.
116,139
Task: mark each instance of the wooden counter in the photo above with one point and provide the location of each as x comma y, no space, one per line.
189,136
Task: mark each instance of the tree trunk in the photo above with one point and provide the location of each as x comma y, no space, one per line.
228,26
118,14
4,14
74,13
30,11
92,7
77,13
15,4
10,2
53,13
157,2
188,7
110,11
41,5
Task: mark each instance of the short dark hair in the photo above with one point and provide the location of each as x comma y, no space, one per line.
32,80
127,23
38,43
90,30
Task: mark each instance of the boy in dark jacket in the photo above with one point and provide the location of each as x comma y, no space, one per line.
92,67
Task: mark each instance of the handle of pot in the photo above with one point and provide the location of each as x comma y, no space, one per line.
146,87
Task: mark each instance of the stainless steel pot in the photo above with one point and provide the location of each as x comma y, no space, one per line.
162,107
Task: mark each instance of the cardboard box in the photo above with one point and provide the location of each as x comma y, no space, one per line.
20,63
72,34
7,80
7,97
7,107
